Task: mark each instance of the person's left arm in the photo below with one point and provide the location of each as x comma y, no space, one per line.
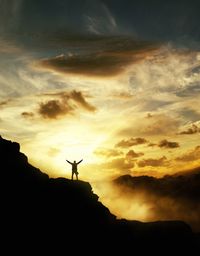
80,161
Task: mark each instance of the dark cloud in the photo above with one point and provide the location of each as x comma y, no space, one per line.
151,144
52,109
153,162
191,155
131,142
170,197
132,154
108,152
95,65
192,130
164,144
168,144
63,103
27,114
108,61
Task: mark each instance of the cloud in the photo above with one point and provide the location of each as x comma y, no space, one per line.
191,155
3,103
27,114
190,114
89,65
121,164
107,57
132,154
164,144
153,162
189,91
52,109
154,125
78,97
63,103
108,152
131,142
192,130
160,124
168,144
151,144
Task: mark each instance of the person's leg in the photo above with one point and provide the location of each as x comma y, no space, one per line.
76,175
72,175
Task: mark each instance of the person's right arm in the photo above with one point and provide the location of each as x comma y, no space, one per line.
69,162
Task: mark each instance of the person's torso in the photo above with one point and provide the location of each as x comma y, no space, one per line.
74,166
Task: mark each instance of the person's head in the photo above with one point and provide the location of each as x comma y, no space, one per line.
74,161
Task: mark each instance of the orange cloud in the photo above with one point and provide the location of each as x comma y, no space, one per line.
108,152
130,142
191,155
168,144
132,154
194,129
119,164
153,162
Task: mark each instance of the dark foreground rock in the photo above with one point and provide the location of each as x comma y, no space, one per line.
45,215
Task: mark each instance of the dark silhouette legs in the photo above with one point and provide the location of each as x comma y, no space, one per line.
76,173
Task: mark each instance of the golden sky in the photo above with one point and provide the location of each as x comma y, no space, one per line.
138,114
99,83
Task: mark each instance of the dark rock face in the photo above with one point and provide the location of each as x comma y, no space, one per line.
46,215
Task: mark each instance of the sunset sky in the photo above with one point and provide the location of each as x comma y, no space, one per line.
113,82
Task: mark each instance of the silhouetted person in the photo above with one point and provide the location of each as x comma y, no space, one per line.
74,168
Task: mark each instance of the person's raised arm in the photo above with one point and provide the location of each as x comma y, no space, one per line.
69,162
80,161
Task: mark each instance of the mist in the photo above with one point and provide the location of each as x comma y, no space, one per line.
139,198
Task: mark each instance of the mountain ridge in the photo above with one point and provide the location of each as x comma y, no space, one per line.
42,211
